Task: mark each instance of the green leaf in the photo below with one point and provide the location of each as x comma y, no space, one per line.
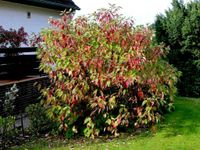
112,102
144,102
108,121
88,119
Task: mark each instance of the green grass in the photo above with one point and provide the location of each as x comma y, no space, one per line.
179,131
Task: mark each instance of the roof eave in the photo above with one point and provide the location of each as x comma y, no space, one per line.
45,4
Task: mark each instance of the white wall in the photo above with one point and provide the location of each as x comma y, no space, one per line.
13,15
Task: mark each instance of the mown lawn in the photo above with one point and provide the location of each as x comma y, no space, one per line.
179,131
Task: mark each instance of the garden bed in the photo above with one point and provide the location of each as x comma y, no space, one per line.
180,130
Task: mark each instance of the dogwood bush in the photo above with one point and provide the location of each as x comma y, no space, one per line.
106,74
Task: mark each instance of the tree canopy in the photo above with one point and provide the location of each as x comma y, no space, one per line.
179,28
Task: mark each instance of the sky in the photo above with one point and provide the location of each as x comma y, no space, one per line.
142,11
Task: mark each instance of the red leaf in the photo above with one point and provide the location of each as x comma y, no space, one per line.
140,94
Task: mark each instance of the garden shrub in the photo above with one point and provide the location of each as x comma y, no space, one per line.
39,122
12,38
106,75
7,120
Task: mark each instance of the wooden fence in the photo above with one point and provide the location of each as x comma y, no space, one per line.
20,66
18,62
28,93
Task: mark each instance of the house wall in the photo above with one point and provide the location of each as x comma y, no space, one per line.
13,15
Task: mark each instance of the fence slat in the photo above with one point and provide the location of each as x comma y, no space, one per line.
18,62
19,50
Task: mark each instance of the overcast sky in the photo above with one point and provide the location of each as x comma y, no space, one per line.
143,11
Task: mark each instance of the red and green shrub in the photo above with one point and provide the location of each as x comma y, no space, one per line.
12,38
106,75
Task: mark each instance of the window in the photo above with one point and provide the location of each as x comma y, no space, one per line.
28,15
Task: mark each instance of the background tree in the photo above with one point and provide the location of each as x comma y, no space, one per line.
179,28
13,38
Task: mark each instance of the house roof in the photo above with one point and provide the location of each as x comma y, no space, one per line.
52,4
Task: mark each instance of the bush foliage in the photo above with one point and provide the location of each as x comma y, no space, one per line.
12,38
7,119
39,121
106,75
179,29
